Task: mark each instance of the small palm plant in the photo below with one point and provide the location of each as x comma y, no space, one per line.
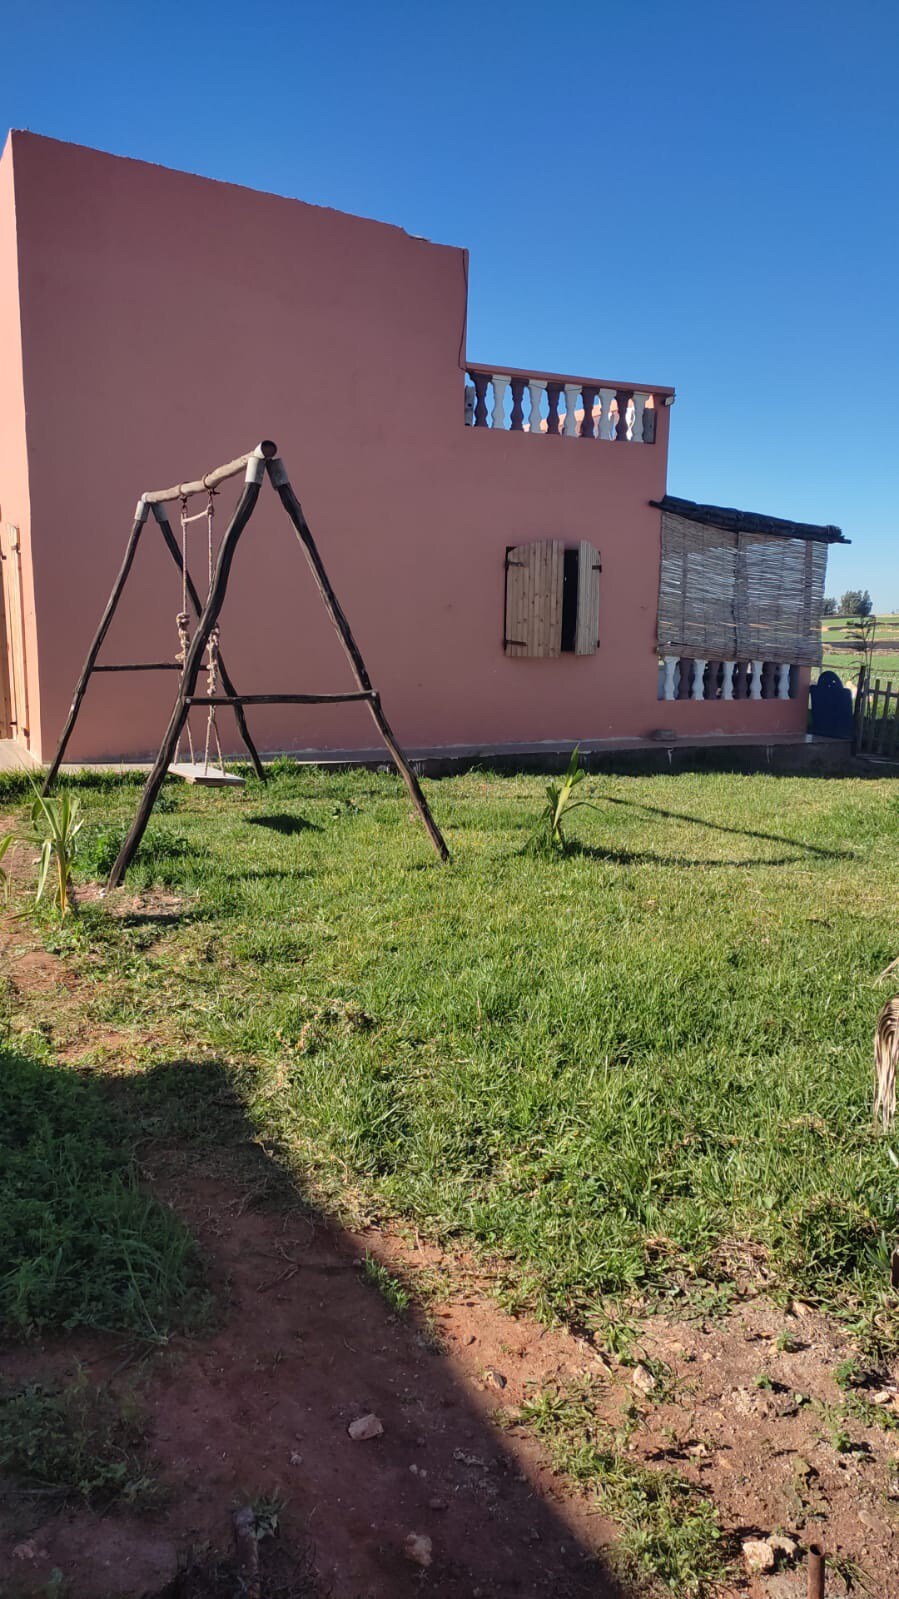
560,802
56,825
861,633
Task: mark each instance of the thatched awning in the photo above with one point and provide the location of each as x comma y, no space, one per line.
737,586
733,521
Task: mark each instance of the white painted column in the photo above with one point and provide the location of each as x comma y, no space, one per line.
670,684
783,681
572,390
536,389
639,404
727,680
697,692
755,687
605,422
500,385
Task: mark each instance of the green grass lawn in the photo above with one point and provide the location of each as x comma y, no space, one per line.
615,1070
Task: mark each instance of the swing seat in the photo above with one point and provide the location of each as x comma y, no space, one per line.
199,772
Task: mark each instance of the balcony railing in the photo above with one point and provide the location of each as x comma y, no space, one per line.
683,678
547,402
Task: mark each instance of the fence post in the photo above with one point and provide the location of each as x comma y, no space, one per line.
859,720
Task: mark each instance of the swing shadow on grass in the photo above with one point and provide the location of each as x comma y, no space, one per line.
283,822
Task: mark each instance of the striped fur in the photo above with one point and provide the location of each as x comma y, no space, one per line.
886,1059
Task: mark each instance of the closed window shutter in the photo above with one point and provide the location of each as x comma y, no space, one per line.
534,575
586,636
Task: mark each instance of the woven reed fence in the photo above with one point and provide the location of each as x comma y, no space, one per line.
876,717
739,596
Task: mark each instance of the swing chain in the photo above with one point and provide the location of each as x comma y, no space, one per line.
184,637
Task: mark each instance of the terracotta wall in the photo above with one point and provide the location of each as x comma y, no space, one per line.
168,323
14,496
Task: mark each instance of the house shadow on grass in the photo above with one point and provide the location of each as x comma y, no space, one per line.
819,850
628,857
256,1409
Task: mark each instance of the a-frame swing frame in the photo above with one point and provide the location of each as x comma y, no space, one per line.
256,464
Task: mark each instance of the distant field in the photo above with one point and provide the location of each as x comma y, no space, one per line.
846,662
833,628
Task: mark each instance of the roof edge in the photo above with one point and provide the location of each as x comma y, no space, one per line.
731,520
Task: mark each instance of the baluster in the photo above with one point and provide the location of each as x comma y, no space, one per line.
685,678
670,685
637,423
469,405
768,673
727,679
698,692
572,390
621,433
553,391
480,381
783,681
712,679
500,385
649,421
589,393
516,421
755,686
605,424
536,387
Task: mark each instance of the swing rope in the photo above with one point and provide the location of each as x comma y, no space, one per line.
212,647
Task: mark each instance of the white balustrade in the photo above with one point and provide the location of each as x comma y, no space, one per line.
536,389
629,426
500,385
572,390
746,679
669,681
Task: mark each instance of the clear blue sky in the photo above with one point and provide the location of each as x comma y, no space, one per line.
694,192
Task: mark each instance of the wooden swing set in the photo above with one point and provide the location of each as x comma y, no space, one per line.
205,641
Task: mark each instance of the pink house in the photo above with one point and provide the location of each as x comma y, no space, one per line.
500,540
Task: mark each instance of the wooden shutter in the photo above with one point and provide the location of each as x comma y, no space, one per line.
10,554
534,575
586,638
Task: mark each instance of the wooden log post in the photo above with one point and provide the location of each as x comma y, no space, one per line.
294,510
193,663
858,720
140,517
174,548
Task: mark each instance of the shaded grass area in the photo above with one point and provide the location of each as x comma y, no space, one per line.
81,1243
74,1442
614,1070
